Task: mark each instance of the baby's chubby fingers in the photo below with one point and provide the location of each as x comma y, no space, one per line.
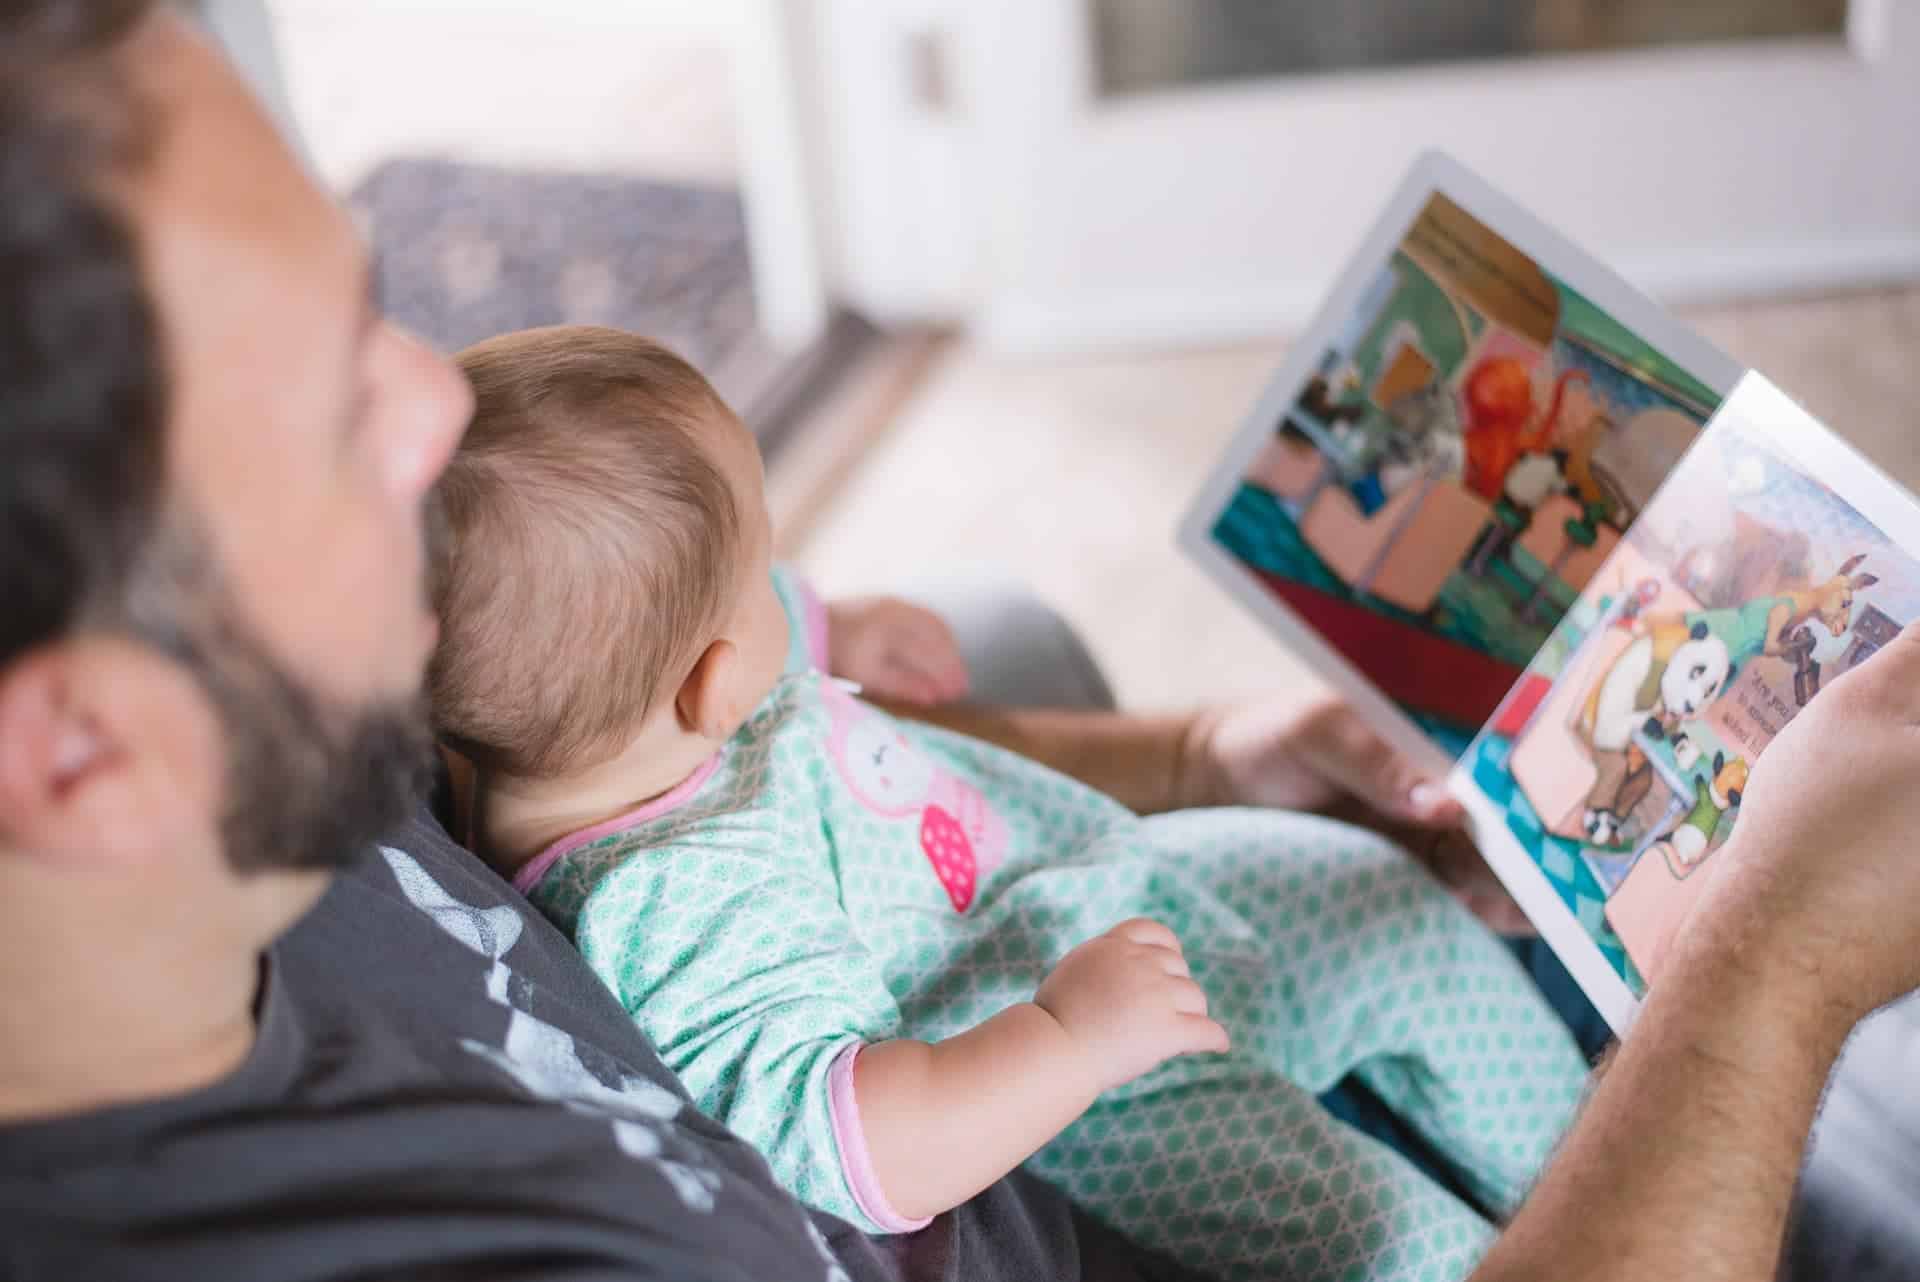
1200,1035
933,633
1128,1000
928,646
896,649
1145,930
1187,997
1182,1025
902,679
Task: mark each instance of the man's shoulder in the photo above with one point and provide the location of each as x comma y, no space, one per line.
442,1089
423,1044
425,934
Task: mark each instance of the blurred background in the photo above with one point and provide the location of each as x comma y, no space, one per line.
995,280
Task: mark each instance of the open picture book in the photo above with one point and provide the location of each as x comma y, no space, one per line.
1558,549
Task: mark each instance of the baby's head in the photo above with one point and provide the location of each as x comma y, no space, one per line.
602,581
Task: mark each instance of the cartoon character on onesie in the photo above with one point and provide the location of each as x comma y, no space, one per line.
959,832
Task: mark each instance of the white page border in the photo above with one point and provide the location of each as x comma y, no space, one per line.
1434,172
1761,413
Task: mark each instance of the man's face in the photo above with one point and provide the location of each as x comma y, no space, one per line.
303,434
304,431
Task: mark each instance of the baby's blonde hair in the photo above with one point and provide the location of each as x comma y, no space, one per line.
588,547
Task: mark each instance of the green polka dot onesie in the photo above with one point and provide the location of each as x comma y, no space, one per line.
835,878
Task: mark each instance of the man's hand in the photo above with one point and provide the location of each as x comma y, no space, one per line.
1319,755
1129,1002
1806,923
895,650
1819,883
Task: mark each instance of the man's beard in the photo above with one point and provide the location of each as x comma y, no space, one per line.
311,781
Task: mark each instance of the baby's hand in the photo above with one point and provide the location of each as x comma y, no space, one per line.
1129,1001
895,650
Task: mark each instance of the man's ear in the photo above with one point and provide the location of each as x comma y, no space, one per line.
106,753
707,704
46,747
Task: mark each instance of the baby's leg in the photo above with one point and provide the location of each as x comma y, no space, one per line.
1374,969
1246,1178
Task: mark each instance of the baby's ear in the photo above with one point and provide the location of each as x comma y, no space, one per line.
709,701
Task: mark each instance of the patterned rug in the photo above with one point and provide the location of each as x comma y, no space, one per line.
468,251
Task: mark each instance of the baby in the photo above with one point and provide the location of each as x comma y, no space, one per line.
902,962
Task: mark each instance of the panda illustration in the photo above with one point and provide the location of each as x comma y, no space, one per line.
1670,674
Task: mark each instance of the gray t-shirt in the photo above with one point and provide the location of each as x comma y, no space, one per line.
440,1089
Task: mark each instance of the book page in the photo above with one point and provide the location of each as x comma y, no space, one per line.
1769,565
1449,457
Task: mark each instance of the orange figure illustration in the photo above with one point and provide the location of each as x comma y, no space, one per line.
1501,425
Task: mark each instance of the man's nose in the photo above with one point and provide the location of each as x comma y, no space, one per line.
435,407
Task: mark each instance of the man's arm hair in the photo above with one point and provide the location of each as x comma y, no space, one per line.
1683,1163
1143,761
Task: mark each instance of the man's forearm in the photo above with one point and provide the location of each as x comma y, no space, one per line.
1683,1163
1147,763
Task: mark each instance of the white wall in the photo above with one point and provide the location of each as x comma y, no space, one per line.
245,30
1049,218
904,220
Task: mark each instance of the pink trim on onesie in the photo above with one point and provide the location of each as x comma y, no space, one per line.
816,620
534,869
855,1160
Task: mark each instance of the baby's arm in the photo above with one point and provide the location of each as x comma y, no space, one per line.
896,650
732,950
892,648
943,1121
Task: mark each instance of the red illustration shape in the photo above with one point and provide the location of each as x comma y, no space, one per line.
1412,666
946,844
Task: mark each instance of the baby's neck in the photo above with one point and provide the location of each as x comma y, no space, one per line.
516,818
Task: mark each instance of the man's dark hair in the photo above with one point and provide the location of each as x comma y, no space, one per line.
82,386
88,538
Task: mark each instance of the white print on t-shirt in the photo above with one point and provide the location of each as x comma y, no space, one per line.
834,1272
544,1060
491,932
